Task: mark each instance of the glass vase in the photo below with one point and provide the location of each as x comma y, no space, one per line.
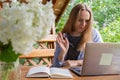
10,71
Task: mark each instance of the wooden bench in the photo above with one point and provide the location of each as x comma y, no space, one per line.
45,52
48,42
46,56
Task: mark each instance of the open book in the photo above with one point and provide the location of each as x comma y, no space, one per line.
53,72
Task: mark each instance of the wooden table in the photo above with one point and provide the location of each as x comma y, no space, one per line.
109,77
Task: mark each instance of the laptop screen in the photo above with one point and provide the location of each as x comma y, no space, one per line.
100,59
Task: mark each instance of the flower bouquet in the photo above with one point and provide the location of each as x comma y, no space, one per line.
21,25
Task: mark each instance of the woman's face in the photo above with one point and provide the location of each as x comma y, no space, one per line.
81,21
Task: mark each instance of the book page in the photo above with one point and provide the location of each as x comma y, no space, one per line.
39,71
60,73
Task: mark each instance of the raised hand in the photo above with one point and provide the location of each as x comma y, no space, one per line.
63,42
64,45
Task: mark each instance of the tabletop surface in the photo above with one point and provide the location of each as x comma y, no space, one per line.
24,70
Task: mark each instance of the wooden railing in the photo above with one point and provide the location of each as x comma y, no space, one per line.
45,52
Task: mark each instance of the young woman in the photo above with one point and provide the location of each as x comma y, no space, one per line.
76,33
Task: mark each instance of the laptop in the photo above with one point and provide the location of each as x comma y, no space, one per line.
100,59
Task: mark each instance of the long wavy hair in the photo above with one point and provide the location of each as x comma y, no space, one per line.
70,25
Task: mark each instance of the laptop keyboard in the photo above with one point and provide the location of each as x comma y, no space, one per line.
76,70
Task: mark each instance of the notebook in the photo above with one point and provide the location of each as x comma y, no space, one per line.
100,59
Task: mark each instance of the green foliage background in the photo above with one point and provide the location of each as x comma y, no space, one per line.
106,17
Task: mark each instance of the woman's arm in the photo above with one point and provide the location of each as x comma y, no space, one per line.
96,36
78,62
61,56
56,62
62,46
71,63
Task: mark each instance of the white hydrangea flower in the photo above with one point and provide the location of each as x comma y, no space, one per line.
23,24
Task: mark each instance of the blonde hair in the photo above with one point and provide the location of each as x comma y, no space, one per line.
69,26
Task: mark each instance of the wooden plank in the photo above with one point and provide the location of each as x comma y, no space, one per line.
39,53
47,61
49,38
61,6
32,62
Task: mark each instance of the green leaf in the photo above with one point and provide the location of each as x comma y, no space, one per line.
7,54
1,44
